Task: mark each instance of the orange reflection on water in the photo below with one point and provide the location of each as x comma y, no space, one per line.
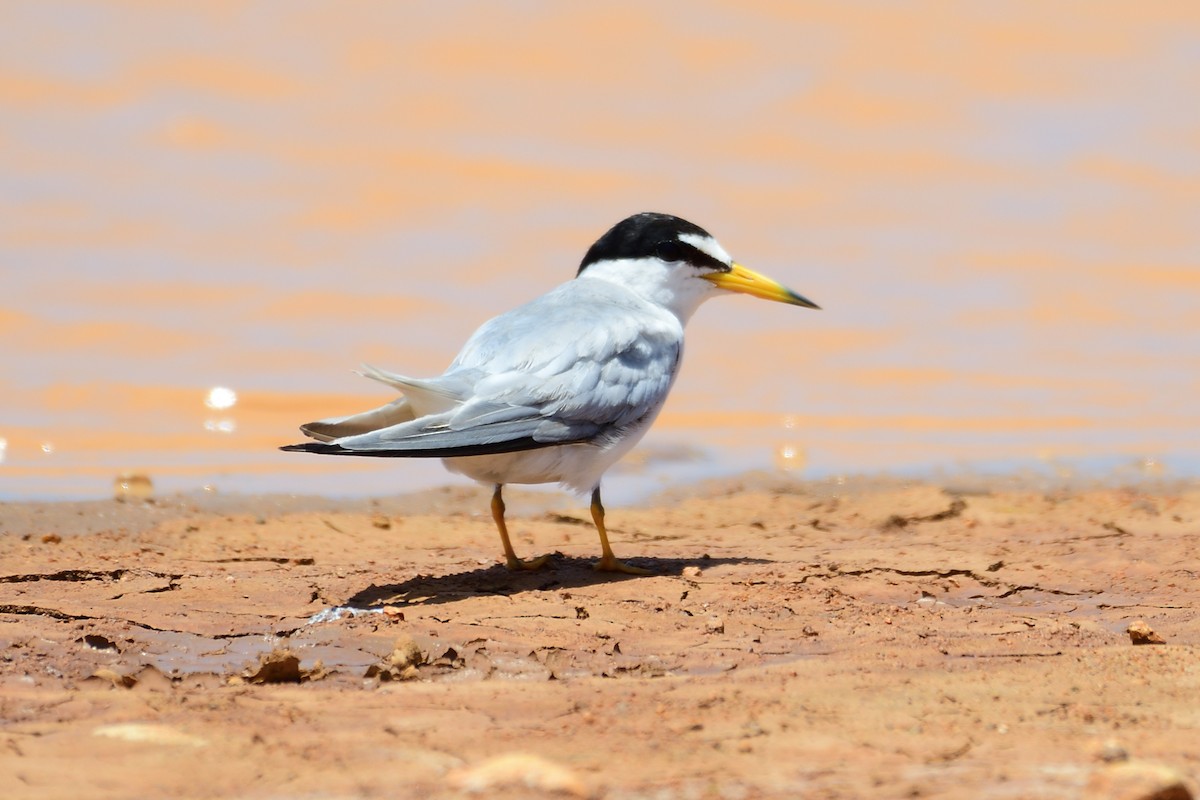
995,206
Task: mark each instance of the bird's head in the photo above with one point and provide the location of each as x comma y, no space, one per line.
676,264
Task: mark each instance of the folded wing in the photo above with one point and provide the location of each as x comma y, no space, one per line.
515,386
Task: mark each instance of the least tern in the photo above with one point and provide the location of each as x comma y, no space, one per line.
558,389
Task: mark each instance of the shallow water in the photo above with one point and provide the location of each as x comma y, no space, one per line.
996,209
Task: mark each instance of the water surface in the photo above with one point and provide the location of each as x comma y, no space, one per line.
996,206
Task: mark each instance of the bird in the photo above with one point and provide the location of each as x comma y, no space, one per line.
557,390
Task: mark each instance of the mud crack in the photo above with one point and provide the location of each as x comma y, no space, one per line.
86,575
836,572
1035,588
897,521
54,613
302,561
991,583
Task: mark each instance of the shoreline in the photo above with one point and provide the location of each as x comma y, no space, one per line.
792,640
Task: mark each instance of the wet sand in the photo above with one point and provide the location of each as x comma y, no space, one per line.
796,639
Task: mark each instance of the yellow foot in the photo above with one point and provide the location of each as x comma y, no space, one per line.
611,564
516,564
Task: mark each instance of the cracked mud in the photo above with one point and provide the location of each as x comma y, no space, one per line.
793,640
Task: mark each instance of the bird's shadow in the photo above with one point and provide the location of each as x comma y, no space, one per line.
562,572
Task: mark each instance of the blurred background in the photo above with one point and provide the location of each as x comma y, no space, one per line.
210,213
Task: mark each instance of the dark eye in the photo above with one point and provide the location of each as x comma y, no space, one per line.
669,251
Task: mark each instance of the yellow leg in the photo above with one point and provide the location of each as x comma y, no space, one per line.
608,562
510,557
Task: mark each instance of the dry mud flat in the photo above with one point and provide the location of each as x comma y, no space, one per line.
796,640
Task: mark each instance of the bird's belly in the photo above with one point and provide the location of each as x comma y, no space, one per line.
547,465
576,466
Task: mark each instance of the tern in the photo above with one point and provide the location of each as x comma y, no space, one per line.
560,388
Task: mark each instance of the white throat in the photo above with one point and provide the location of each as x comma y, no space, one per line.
678,288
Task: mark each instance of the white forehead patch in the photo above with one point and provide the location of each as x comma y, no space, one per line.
706,245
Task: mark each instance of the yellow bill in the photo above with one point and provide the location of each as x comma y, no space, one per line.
747,281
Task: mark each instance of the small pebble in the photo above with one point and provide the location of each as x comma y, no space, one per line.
1141,633
1111,752
133,486
144,732
406,652
1136,780
519,771
115,678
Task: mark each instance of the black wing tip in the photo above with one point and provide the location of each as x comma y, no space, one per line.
313,447
489,449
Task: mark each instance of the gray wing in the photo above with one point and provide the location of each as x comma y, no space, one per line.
579,364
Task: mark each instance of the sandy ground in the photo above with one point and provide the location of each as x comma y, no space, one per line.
795,640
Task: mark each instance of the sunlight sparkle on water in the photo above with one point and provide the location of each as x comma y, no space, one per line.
220,398
789,456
